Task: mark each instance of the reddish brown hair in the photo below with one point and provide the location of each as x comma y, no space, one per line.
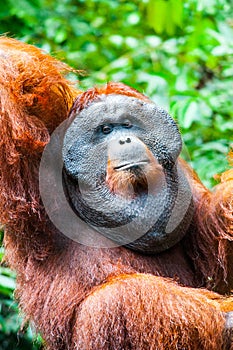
35,98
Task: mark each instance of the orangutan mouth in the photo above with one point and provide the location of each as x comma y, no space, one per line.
131,166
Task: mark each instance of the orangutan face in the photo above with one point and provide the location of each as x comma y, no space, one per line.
120,171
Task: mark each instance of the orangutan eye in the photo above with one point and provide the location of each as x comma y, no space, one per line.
127,124
106,129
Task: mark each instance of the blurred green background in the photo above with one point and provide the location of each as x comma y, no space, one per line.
180,53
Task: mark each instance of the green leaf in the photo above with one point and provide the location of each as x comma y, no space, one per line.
157,14
7,282
177,12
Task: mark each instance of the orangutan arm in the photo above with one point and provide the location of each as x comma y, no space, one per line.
212,240
145,312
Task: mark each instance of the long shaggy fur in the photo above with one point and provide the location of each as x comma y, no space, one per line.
86,298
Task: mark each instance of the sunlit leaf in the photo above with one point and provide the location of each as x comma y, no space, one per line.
7,282
157,14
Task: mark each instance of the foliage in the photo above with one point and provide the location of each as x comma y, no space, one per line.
177,52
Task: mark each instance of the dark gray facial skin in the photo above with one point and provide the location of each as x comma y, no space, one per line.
129,132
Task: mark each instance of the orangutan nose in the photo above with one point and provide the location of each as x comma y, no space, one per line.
123,141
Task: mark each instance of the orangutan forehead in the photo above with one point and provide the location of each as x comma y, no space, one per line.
114,108
115,104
